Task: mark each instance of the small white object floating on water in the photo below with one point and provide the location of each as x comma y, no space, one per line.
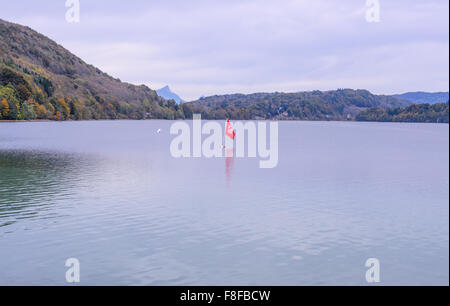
159,131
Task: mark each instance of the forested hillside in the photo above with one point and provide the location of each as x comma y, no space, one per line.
342,104
39,79
436,113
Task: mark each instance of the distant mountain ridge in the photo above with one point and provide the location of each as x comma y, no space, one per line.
168,94
341,104
421,97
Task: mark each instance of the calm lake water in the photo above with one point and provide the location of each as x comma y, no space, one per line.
111,195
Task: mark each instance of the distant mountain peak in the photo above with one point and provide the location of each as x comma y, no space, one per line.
168,94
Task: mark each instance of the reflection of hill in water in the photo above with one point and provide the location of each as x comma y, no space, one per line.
32,182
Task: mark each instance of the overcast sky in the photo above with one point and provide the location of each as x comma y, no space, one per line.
208,47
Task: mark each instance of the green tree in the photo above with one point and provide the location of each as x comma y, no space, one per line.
10,95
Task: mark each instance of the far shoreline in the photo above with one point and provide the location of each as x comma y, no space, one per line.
114,120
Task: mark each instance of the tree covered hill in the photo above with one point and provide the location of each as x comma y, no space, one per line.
341,104
435,113
39,79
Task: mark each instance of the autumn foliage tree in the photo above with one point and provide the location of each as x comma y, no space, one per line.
63,108
4,108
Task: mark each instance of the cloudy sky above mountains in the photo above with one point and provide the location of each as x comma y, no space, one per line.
211,47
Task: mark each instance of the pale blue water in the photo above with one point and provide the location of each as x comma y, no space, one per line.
111,195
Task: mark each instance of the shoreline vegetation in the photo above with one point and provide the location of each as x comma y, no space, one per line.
423,113
42,81
187,119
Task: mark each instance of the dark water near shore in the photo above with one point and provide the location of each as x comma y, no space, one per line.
111,195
